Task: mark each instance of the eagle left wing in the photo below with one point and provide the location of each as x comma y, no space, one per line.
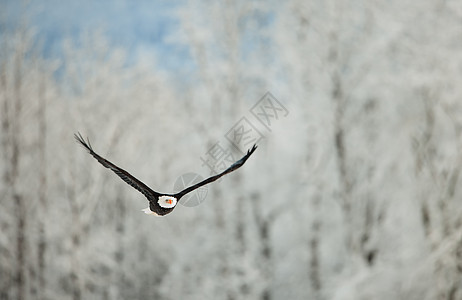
127,177
233,167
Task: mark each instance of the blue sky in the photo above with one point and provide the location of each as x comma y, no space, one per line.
140,27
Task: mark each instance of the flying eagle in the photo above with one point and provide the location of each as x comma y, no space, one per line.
159,204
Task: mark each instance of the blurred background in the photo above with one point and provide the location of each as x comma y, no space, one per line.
353,193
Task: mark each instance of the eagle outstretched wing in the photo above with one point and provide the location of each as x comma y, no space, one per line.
233,167
127,177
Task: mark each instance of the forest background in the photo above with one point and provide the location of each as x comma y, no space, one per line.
353,193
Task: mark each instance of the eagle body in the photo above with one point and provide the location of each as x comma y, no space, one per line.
159,208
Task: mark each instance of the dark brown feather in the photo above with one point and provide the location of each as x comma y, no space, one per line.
233,167
127,177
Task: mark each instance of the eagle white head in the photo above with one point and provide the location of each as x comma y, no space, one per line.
167,201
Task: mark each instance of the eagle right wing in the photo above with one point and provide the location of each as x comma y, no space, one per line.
233,167
127,177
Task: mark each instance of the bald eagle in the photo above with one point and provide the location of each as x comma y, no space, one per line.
159,204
